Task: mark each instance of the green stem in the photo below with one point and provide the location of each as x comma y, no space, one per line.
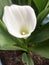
26,44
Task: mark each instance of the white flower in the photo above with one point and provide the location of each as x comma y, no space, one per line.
19,20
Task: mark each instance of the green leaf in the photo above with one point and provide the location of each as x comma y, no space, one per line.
40,4
5,2
2,4
40,35
1,11
2,25
42,49
5,39
27,59
10,47
42,15
47,4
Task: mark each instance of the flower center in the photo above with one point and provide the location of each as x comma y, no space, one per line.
24,31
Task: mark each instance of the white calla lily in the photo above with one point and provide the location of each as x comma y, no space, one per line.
19,20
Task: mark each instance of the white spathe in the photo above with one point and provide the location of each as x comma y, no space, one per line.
19,20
